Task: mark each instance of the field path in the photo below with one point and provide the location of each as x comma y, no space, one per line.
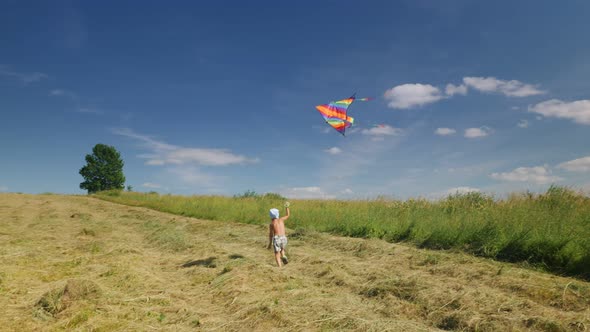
79,263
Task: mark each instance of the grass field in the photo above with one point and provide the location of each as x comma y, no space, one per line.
83,264
549,231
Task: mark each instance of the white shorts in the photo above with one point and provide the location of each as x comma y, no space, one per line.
279,242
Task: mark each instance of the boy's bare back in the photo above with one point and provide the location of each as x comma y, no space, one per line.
278,226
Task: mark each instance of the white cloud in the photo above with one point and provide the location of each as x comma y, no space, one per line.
576,165
512,88
514,108
523,124
63,93
3,188
537,175
194,176
452,89
477,132
326,130
445,131
89,110
305,193
148,141
205,157
57,92
347,191
183,163
23,77
155,162
168,154
353,130
334,150
411,95
578,111
151,185
383,130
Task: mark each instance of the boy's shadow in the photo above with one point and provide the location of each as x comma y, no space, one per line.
207,262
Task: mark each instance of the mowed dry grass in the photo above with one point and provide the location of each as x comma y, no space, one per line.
78,263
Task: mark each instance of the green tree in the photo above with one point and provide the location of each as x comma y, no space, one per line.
103,170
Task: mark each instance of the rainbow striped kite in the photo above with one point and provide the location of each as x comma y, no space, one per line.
335,113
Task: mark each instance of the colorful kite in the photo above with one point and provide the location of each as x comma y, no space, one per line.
335,113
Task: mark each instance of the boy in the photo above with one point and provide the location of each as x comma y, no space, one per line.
276,234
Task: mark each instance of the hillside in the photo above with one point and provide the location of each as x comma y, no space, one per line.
75,262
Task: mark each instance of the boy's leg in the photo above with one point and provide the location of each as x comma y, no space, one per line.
284,257
278,258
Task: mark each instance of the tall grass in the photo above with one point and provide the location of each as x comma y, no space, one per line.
549,230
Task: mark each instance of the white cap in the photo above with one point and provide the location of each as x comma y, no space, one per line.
274,213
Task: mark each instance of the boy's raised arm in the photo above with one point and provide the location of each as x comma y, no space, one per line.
288,213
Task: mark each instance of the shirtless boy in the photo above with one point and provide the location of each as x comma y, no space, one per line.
276,235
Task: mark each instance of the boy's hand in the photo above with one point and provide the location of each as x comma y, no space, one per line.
287,204
268,247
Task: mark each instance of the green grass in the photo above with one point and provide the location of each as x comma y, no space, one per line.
550,230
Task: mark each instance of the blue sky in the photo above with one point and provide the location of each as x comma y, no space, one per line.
219,97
